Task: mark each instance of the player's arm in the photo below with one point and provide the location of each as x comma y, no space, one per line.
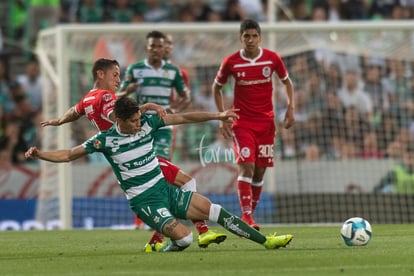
70,116
182,102
152,106
128,85
290,111
225,126
57,156
198,117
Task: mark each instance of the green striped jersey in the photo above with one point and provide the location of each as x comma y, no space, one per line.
155,85
132,157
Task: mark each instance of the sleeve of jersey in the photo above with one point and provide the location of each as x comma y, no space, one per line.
154,121
179,83
222,73
79,107
108,104
281,70
94,144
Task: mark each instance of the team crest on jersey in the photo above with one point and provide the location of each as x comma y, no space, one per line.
107,97
97,144
141,133
245,152
266,71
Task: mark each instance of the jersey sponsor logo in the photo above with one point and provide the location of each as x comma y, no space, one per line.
252,82
163,212
266,71
113,143
241,74
245,152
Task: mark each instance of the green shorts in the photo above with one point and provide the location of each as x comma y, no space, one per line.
163,143
160,204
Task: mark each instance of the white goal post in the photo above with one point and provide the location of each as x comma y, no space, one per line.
60,48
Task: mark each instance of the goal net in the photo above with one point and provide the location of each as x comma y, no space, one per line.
327,166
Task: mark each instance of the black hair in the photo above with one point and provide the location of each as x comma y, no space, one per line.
249,24
155,34
102,64
125,107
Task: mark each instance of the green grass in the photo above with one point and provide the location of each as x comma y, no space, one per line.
315,250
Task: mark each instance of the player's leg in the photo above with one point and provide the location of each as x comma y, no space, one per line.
201,207
264,140
177,177
245,149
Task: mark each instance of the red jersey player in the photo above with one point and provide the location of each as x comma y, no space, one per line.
98,105
254,132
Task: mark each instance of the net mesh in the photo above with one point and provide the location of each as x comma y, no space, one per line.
325,163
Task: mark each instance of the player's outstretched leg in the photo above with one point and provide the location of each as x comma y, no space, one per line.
237,226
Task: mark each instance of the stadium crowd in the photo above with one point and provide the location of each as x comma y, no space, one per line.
361,111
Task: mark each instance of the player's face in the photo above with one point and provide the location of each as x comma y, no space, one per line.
155,50
112,79
131,125
250,40
168,47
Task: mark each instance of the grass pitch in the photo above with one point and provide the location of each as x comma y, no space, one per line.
315,250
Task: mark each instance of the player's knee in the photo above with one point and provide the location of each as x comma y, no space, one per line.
186,241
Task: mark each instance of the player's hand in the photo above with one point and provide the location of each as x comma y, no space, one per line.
131,88
53,122
32,153
161,111
225,128
289,118
230,114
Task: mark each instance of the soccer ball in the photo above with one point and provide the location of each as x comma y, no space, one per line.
356,231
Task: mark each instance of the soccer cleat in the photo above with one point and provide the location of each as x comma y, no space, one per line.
209,237
148,248
275,242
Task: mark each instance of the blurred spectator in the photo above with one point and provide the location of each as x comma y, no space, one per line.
253,9
31,81
370,148
121,11
312,153
311,134
233,11
356,126
18,18
377,90
319,13
387,130
381,9
316,91
6,100
332,116
289,146
155,11
333,77
352,94
399,179
200,10
89,11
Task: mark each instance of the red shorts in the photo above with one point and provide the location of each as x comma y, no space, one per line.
168,169
255,144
